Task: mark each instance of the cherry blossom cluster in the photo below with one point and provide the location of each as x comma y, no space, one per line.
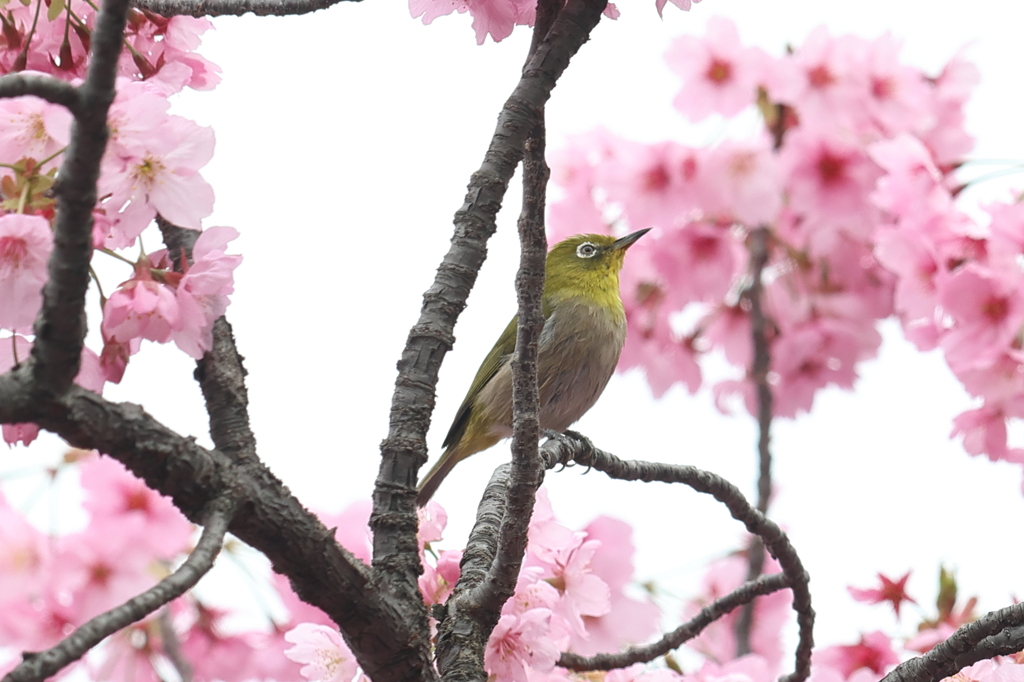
851,180
571,596
497,18
576,592
151,166
133,538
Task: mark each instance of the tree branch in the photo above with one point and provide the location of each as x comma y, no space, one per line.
220,372
497,544
270,519
744,594
61,324
403,452
759,375
997,632
574,447
172,647
45,87
527,472
234,8
38,666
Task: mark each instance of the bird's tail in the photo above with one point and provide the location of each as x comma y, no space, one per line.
434,477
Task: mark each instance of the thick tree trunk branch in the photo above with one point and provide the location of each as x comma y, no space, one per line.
38,666
61,324
270,518
394,520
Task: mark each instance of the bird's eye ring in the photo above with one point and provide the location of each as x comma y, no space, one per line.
586,250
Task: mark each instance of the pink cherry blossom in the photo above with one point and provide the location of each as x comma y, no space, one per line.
874,652
829,178
653,184
948,138
892,591
628,621
23,556
993,670
142,308
719,74
113,496
102,569
984,431
33,128
987,311
323,652
519,644
25,245
681,4
213,653
1000,381
830,87
913,183
495,18
202,294
665,358
815,355
352,528
433,519
744,182
23,433
437,582
697,261
899,98
152,165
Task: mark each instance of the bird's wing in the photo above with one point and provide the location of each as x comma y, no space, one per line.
499,356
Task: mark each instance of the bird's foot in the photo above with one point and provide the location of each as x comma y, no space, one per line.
588,445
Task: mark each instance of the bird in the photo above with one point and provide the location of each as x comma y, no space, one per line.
583,334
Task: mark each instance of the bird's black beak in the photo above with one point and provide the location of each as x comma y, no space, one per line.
628,240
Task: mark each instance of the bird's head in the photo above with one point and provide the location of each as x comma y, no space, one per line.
587,263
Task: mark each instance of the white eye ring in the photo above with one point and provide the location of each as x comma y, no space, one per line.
586,250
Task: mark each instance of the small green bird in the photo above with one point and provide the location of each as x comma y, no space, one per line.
584,329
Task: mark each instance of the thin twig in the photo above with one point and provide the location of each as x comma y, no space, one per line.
574,447
38,666
234,8
759,323
758,245
172,647
527,473
45,87
743,594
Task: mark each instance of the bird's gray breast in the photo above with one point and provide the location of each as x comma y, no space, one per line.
579,349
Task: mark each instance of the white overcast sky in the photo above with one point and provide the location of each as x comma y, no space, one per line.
345,140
